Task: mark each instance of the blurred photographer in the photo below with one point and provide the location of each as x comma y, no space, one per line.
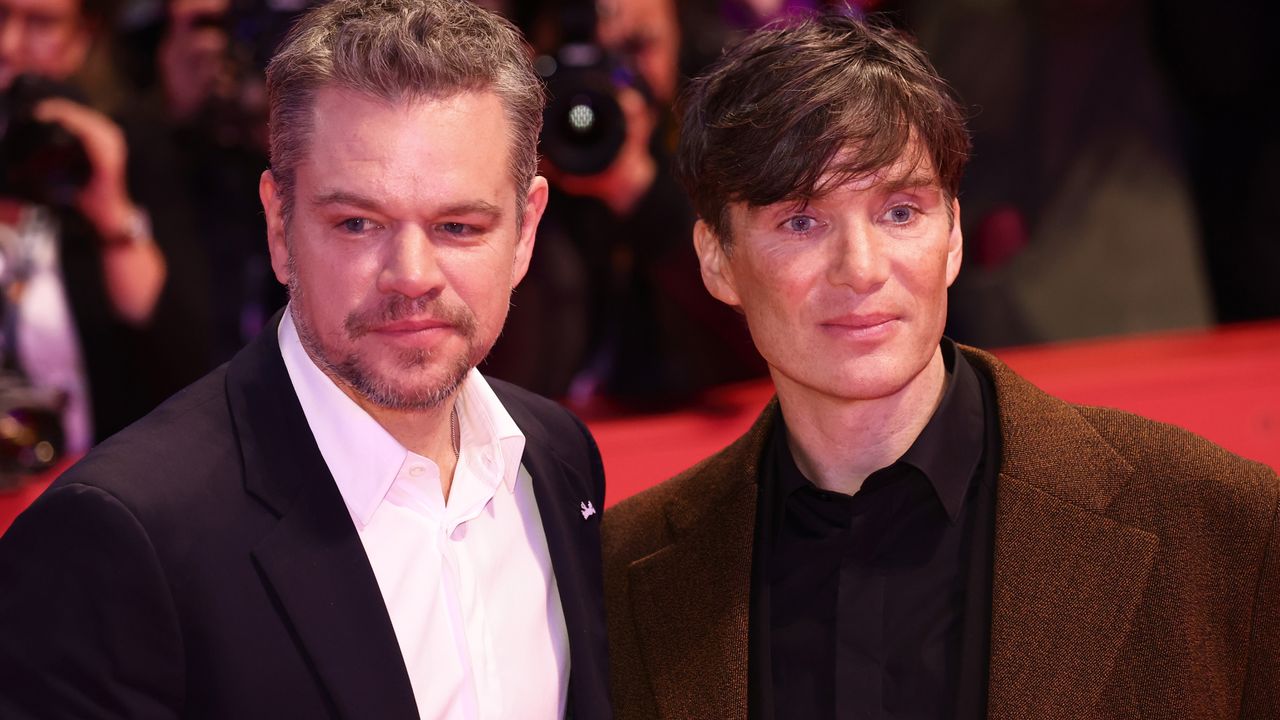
198,65
613,307
82,274
51,39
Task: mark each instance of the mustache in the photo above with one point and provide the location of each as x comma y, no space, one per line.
395,309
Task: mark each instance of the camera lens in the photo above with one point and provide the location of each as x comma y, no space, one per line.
583,128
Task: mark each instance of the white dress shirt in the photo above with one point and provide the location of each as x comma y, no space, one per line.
48,347
468,584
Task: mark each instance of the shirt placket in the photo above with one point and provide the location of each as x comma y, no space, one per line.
485,675
859,617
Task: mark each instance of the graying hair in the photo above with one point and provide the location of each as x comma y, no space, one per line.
401,51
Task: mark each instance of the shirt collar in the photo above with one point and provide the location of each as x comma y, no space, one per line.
487,428
947,451
364,458
949,448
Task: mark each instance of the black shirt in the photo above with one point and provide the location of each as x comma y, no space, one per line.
878,605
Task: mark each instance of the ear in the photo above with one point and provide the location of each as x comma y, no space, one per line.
274,211
955,244
535,203
717,274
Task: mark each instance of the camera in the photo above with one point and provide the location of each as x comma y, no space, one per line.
40,162
583,126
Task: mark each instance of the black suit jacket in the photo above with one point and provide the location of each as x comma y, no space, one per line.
202,563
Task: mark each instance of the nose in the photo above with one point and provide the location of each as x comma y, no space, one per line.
859,259
411,265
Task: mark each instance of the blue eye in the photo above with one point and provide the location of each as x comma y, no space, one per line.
800,224
902,214
355,225
454,228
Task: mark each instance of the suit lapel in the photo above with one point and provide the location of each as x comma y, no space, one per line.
1068,580
313,561
1067,586
573,542
697,590
321,576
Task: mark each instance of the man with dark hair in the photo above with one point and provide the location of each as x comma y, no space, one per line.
347,520
910,530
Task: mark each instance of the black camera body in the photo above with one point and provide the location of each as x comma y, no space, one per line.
583,126
40,162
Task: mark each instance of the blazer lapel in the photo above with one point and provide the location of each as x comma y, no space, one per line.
313,560
573,542
697,590
1067,586
321,576
1068,580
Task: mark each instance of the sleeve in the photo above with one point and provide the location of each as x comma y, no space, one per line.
88,627
1262,678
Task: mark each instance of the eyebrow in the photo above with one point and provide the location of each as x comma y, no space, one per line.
472,207
911,181
340,197
469,207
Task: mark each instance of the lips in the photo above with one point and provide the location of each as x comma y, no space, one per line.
399,316
860,321
411,326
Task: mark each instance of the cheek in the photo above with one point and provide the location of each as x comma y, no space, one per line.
924,273
773,307
333,285
484,285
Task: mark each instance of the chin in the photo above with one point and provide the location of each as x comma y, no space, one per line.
404,381
395,394
862,380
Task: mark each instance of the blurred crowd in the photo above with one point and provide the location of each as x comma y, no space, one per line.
1120,183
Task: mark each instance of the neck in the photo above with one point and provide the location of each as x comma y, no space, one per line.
427,432
837,443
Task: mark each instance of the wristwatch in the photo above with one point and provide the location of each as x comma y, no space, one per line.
136,231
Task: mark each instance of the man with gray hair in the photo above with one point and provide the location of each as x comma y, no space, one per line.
347,520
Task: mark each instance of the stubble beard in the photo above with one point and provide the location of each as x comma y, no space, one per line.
353,370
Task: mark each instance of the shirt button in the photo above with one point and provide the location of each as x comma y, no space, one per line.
417,470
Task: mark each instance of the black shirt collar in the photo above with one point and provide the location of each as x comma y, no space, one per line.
947,451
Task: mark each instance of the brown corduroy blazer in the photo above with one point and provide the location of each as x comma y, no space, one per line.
1137,573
